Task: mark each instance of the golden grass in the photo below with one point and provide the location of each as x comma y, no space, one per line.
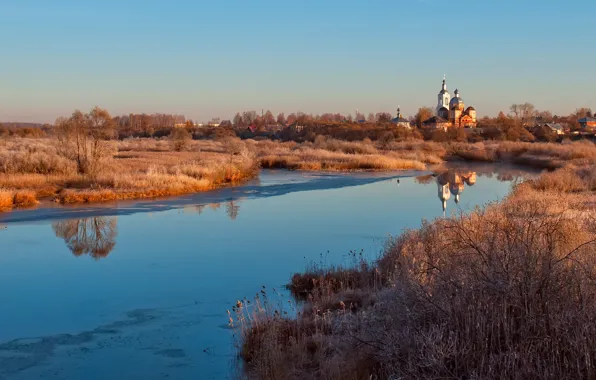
24,198
332,155
143,168
20,198
6,200
316,160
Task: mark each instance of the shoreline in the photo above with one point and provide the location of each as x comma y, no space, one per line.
316,180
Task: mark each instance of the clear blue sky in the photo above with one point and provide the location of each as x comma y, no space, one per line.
212,58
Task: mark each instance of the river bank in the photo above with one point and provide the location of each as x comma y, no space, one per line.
503,292
33,170
269,183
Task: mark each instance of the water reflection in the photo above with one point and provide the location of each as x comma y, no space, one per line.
452,182
232,208
94,236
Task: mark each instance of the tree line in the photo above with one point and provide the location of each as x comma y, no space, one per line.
519,123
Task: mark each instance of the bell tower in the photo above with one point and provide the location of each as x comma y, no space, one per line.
444,97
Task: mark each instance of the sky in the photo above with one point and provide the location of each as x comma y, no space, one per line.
208,59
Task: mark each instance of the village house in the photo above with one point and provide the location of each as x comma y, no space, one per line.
296,127
554,127
588,124
214,122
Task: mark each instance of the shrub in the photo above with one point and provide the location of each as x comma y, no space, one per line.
562,181
24,198
6,199
180,139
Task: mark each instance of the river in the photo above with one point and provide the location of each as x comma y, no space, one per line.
139,290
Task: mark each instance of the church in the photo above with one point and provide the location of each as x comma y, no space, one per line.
451,112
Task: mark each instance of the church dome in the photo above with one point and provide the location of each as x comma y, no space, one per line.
443,179
470,108
456,102
470,179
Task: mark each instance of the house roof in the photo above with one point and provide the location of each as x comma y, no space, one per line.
398,120
434,119
556,126
587,120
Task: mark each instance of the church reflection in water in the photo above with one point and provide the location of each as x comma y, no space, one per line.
93,236
452,183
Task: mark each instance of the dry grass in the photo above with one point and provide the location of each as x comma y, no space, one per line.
504,292
538,155
20,198
332,155
33,168
6,200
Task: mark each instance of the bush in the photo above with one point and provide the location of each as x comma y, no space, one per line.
180,138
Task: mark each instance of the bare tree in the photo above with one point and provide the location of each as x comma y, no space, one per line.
424,113
180,138
95,237
281,118
383,117
238,121
268,118
83,138
583,112
291,118
524,114
249,117
232,209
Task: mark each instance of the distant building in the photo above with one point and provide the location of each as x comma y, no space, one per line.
273,128
453,110
400,121
554,127
588,124
436,122
296,127
215,122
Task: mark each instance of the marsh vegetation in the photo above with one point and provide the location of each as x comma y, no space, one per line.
506,291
